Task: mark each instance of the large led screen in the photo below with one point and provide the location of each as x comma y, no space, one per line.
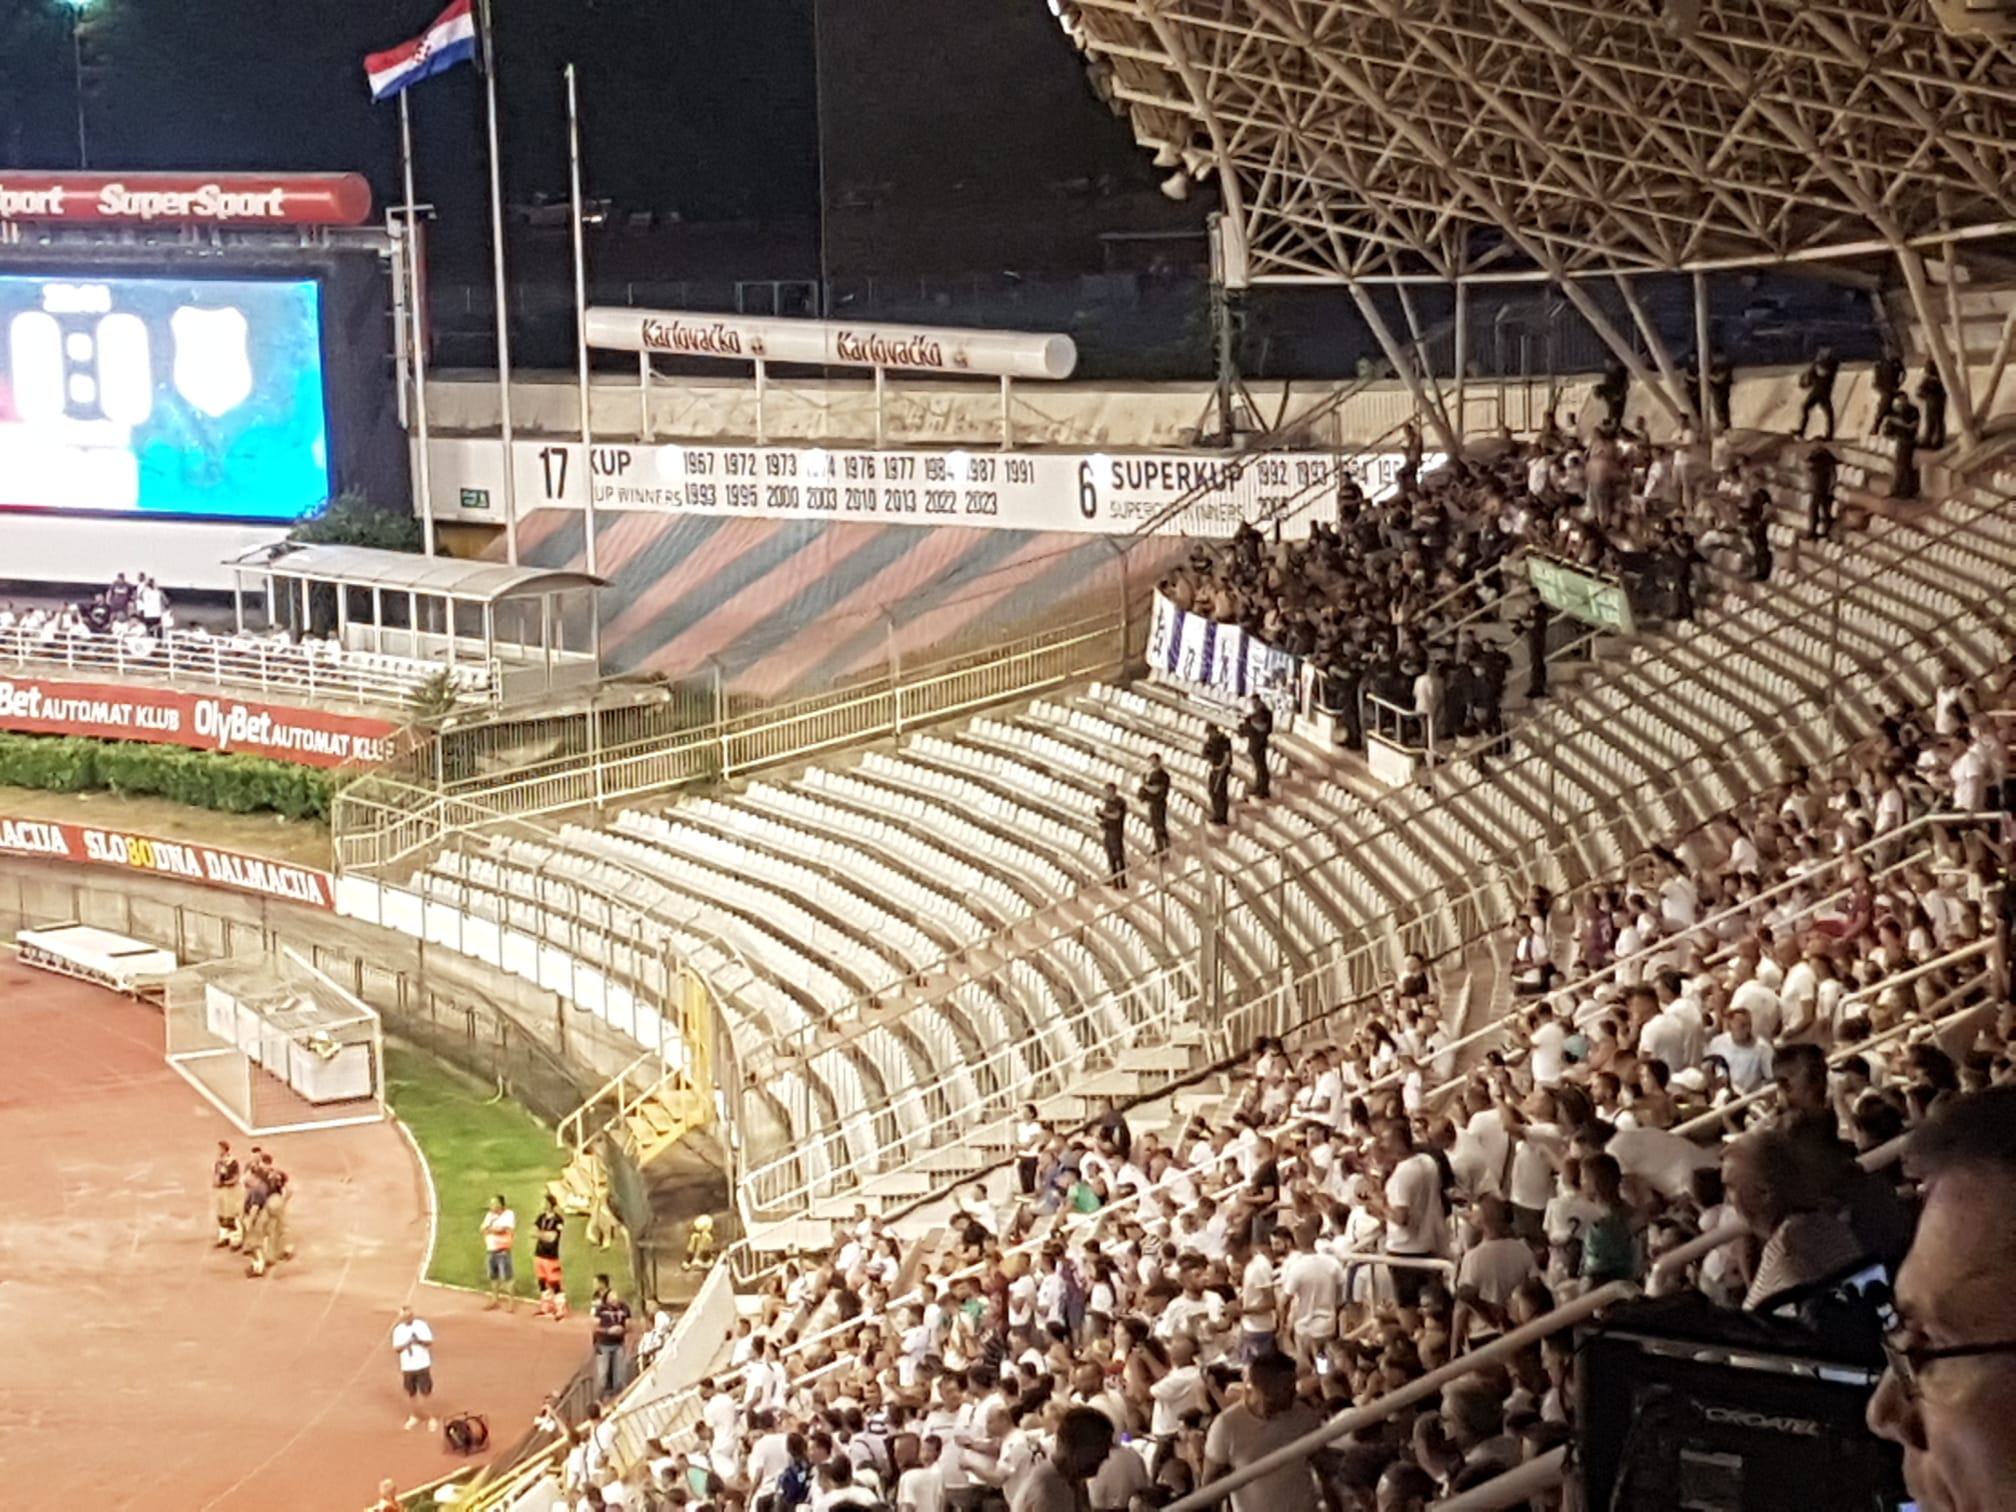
162,396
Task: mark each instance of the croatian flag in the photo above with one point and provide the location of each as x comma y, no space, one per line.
449,41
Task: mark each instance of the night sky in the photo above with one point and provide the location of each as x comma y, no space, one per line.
704,106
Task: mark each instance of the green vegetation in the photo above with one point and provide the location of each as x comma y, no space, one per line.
476,1145
224,781
350,519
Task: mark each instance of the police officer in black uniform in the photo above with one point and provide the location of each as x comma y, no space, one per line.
1154,791
1113,833
1218,777
1258,728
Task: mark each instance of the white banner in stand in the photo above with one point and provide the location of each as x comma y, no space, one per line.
1221,662
1083,492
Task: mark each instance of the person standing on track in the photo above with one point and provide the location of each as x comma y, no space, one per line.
252,1225
547,1229
1112,814
1218,774
500,1232
226,1204
271,1243
1154,791
413,1342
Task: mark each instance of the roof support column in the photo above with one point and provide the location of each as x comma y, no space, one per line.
1403,365
1912,262
1656,345
1963,396
1986,397
1572,291
1430,379
1704,338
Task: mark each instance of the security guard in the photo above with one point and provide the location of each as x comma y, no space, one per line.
1113,832
1258,728
1218,779
1154,791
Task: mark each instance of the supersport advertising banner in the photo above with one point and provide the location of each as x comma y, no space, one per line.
201,721
182,860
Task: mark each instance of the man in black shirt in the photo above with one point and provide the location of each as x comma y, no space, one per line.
612,1325
1902,428
1888,378
546,1231
1721,380
1757,530
1818,382
1821,470
98,615
1614,389
1154,791
1932,395
1112,814
1218,777
1258,728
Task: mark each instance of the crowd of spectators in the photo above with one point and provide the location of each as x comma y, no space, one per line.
1406,598
1727,1026
132,624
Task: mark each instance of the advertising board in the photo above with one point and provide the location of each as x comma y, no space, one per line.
183,860
201,721
163,397
1093,493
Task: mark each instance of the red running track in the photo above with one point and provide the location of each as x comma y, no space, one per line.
139,1367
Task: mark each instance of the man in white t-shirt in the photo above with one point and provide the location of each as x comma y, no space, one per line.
919,1489
1312,1291
1256,1303
1761,1003
500,1233
413,1342
1416,1217
1266,1417
1747,1057
1548,1055
1495,1267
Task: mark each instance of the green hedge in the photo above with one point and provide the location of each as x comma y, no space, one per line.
228,783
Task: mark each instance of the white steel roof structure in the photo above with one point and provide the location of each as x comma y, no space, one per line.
1554,137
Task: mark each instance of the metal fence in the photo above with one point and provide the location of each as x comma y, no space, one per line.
277,669
385,817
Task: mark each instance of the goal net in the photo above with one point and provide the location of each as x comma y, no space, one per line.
275,1044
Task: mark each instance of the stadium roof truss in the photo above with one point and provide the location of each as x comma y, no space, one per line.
1362,142
1452,138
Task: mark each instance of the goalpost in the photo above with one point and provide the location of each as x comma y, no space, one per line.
275,1045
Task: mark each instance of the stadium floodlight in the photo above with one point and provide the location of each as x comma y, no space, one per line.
1166,156
1177,186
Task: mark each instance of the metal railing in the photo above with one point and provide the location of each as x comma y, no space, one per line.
281,670
380,821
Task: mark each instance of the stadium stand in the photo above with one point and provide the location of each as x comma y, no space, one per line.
910,947
1744,1011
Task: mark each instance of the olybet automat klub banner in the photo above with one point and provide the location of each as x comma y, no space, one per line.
202,721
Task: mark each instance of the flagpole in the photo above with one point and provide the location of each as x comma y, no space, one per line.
587,474
581,309
423,472
503,288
